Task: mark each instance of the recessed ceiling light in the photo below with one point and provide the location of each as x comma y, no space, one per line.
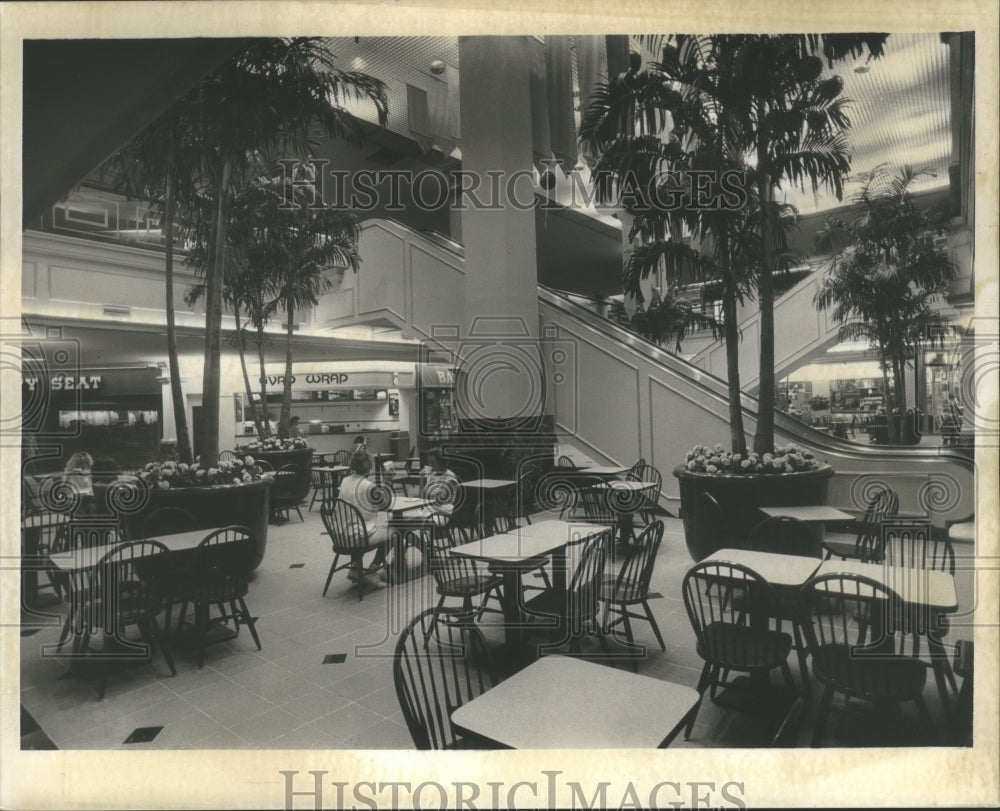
862,69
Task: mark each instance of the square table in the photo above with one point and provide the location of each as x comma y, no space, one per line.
963,532
78,560
523,550
782,571
566,703
918,587
488,484
605,470
409,507
490,495
817,514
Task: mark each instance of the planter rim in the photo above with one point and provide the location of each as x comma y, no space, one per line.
823,471
276,450
204,487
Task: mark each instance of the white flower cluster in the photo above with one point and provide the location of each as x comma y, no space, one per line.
716,460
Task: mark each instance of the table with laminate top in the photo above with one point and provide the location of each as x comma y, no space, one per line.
565,703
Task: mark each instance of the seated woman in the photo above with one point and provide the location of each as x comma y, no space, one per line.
77,473
358,491
440,486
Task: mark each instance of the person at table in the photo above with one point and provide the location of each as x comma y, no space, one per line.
358,491
440,485
77,473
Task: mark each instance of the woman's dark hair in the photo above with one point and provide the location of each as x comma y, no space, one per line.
361,463
359,439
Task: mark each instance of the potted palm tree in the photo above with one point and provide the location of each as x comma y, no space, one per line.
884,277
758,111
273,96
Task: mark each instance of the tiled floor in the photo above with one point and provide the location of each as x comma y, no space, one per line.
324,677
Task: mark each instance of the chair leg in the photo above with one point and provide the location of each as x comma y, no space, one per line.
803,663
250,622
824,710
604,616
787,673
201,612
652,622
329,577
313,500
164,644
629,637
703,680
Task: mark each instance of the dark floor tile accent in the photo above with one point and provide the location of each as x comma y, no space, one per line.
297,566
334,658
28,722
143,734
655,595
33,737
30,631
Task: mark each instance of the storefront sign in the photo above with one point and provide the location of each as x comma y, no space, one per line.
437,376
66,382
325,379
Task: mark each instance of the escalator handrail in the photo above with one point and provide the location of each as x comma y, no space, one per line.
718,387
697,376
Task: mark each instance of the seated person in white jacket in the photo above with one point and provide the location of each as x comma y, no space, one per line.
358,491
440,486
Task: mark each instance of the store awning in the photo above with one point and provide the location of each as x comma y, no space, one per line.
436,376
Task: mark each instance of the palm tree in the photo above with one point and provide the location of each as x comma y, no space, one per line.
755,104
795,122
273,96
650,132
249,292
159,165
665,321
294,247
884,277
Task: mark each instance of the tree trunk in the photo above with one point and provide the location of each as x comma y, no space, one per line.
286,392
211,380
892,437
265,417
899,374
176,393
764,438
737,433
241,344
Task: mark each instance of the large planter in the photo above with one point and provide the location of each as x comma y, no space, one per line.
221,505
708,529
289,490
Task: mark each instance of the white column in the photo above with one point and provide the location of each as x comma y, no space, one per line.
498,351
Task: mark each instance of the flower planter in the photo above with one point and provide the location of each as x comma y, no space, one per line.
245,504
740,497
287,491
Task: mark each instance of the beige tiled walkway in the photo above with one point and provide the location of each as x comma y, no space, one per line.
286,697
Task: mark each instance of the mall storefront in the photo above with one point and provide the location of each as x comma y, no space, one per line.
110,413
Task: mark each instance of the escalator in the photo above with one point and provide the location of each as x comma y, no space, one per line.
616,397
801,333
